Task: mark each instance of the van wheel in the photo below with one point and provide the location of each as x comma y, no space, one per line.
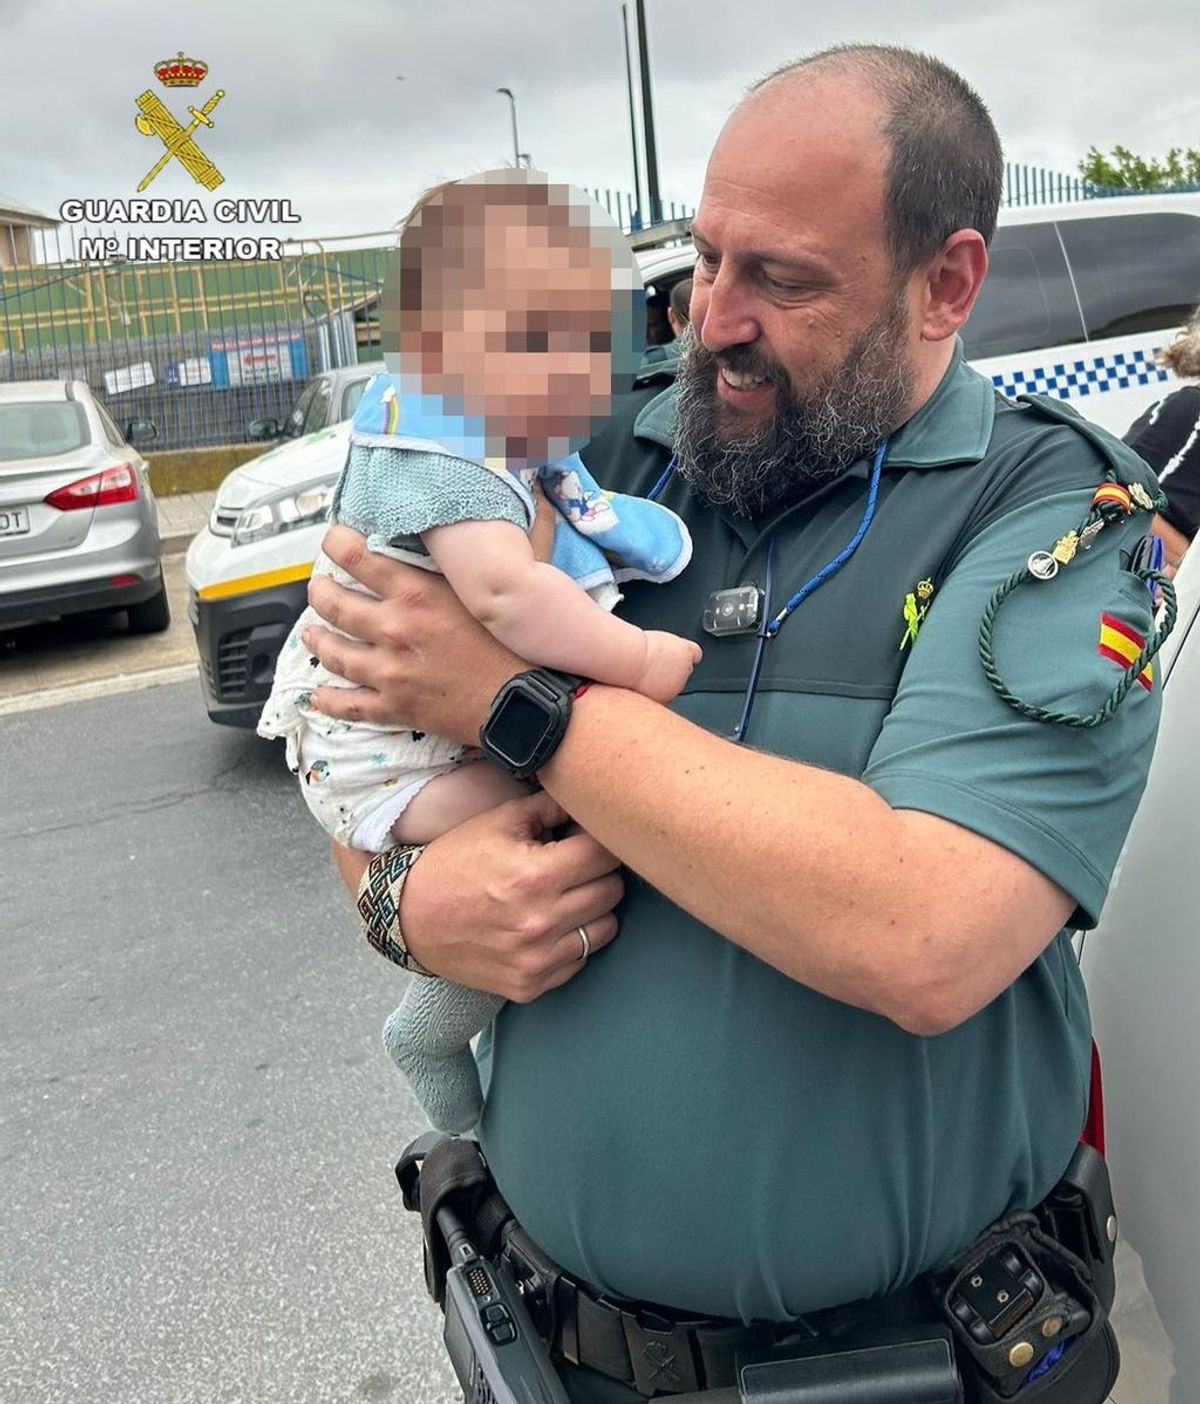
152,616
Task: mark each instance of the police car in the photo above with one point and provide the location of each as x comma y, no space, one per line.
1077,300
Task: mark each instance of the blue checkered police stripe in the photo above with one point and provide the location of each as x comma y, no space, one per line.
1069,380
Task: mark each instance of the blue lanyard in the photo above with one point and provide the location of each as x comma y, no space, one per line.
770,627
841,558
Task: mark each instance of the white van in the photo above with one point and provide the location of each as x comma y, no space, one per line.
1078,300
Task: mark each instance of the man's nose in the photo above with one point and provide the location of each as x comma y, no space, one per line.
723,314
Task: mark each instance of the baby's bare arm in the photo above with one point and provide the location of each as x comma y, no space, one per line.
534,608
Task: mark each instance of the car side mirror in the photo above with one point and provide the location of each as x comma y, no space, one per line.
263,429
141,431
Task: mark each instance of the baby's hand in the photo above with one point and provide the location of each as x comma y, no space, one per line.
669,664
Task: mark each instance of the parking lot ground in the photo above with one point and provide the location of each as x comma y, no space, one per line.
42,658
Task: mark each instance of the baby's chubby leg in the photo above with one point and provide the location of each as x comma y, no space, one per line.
429,1035
429,1039
453,798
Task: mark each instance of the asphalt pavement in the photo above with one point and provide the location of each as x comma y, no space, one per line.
58,659
197,1120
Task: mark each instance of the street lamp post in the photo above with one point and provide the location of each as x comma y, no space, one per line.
648,116
635,215
516,144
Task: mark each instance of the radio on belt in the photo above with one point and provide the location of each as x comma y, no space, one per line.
737,610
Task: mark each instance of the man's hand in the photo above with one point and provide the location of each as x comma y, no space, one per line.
416,655
492,905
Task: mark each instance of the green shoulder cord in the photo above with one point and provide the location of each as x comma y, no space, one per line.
1112,503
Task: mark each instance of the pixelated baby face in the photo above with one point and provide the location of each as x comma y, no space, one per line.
516,306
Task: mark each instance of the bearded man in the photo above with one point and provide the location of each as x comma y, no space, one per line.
841,1029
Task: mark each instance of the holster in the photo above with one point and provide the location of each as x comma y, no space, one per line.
436,1170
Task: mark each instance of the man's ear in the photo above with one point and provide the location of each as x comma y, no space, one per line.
951,283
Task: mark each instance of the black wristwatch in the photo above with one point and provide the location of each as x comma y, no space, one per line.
528,719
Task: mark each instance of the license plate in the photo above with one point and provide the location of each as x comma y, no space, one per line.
14,521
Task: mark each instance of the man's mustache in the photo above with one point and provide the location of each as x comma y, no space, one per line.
741,360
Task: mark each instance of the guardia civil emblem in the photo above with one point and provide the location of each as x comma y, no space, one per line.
155,119
916,606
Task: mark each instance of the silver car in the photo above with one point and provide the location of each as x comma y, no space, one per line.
78,522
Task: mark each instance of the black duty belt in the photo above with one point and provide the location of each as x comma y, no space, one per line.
1030,1295
654,1350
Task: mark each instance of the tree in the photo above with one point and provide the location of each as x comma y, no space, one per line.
1127,171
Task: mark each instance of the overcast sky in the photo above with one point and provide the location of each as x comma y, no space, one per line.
351,108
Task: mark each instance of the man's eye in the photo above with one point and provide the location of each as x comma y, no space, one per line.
707,261
776,286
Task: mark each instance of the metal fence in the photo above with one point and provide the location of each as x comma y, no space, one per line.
624,209
1034,185
201,348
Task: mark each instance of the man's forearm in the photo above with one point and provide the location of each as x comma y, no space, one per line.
810,871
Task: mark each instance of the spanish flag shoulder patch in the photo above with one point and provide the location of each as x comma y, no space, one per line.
1122,644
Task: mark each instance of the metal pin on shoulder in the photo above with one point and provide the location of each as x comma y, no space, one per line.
1042,565
1090,533
1065,548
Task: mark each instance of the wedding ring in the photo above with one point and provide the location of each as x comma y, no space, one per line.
587,945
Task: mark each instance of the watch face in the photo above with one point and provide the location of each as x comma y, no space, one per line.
518,728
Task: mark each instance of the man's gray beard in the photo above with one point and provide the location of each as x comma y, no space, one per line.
811,438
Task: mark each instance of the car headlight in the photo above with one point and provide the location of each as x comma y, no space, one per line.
286,512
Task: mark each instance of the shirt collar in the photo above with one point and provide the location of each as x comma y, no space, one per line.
953,427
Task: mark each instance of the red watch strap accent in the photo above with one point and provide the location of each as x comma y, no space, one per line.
579,691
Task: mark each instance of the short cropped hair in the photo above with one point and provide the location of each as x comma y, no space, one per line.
681,298
945,168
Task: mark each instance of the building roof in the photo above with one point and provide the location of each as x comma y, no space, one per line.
13,213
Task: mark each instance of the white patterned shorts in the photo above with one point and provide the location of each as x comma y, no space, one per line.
357,778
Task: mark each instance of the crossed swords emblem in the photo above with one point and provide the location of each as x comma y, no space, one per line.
154,119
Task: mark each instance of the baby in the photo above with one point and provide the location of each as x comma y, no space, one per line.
507,315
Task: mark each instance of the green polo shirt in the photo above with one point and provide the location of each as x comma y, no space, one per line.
682,1123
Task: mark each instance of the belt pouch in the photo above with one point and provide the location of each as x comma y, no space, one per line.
1079,1213
913,1367
1060,1348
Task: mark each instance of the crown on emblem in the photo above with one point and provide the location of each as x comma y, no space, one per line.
180,72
